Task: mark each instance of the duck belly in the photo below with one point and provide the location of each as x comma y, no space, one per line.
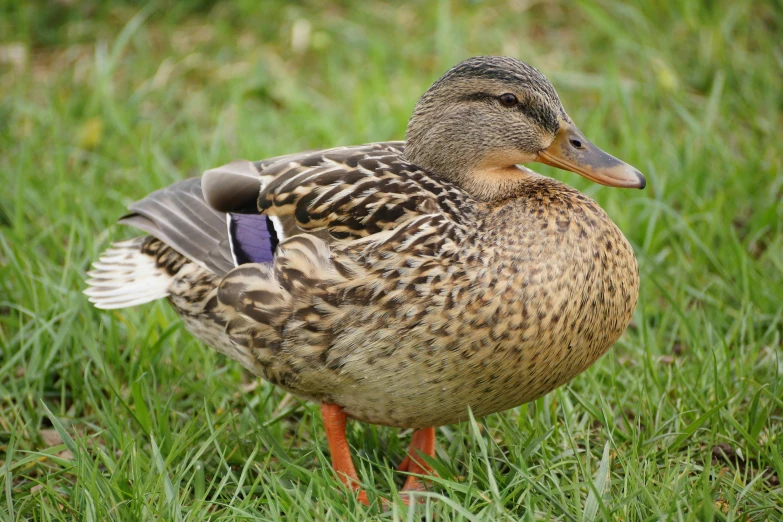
424,363
415,378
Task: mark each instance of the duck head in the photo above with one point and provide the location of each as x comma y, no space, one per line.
489,114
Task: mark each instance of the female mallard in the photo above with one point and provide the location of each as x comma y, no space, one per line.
399,283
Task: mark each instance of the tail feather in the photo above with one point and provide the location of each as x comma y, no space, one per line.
126,276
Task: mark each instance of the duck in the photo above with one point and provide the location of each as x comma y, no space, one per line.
399,283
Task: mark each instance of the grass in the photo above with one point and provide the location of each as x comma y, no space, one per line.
123,416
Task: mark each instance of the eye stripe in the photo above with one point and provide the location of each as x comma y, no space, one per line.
522,105
478,96
539,114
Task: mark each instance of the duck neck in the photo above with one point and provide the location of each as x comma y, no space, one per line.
483,180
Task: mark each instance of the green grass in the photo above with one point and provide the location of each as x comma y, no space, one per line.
123,416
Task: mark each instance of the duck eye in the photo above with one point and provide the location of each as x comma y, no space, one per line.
508,100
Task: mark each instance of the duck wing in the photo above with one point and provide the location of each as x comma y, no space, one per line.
240,212
345,193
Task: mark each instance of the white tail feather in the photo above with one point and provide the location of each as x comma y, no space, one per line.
125,276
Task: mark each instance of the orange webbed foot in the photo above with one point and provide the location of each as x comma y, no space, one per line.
334,419
422,443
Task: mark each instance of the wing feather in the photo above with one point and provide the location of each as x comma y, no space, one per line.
355,192
179,216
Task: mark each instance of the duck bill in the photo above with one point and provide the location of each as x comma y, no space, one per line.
572,151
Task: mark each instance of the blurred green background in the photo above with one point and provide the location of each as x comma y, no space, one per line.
123,416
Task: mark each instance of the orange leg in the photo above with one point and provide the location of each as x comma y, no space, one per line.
422,442
334,419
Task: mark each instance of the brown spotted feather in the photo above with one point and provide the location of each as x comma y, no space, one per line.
354,194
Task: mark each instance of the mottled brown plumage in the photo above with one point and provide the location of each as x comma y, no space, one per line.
412,280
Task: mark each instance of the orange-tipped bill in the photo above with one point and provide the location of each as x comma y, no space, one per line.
572,151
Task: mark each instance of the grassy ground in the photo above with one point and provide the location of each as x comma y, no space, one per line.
123,416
